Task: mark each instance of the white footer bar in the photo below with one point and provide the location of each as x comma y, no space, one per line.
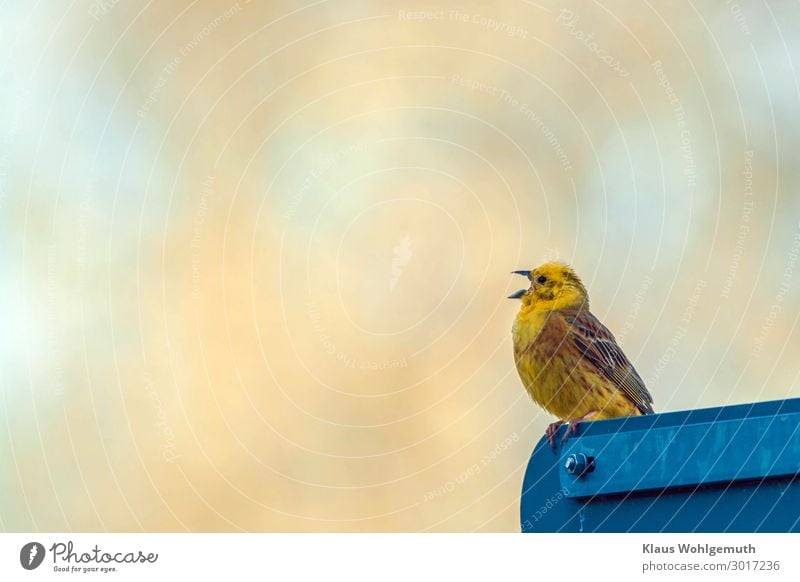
406,557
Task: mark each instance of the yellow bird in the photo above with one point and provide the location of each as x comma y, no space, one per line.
568,361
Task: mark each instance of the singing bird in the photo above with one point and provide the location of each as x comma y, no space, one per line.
569,363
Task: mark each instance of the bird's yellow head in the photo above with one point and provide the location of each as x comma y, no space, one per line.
554,286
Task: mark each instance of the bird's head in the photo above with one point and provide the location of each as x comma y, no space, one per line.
553,286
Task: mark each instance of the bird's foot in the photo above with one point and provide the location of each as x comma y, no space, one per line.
550,432
572,427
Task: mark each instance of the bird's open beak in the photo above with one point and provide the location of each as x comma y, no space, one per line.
521,292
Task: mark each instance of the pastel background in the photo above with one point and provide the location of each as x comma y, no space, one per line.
254,256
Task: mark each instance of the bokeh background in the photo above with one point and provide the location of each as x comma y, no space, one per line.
254,255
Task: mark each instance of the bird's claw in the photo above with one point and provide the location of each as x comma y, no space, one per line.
550,433
572,429
572,426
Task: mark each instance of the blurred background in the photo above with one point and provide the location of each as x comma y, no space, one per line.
254,256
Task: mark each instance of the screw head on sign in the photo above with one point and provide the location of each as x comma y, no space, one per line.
579,464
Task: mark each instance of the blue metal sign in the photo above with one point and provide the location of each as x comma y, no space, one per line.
734,468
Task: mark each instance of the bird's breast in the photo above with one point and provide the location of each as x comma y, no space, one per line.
527,327
541,355
533,345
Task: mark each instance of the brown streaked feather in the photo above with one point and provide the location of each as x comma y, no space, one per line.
598,345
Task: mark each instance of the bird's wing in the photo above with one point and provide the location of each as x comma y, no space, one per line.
599,347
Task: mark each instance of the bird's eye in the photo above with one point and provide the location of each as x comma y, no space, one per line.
541,279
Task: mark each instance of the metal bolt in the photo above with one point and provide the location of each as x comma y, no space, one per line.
579,464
